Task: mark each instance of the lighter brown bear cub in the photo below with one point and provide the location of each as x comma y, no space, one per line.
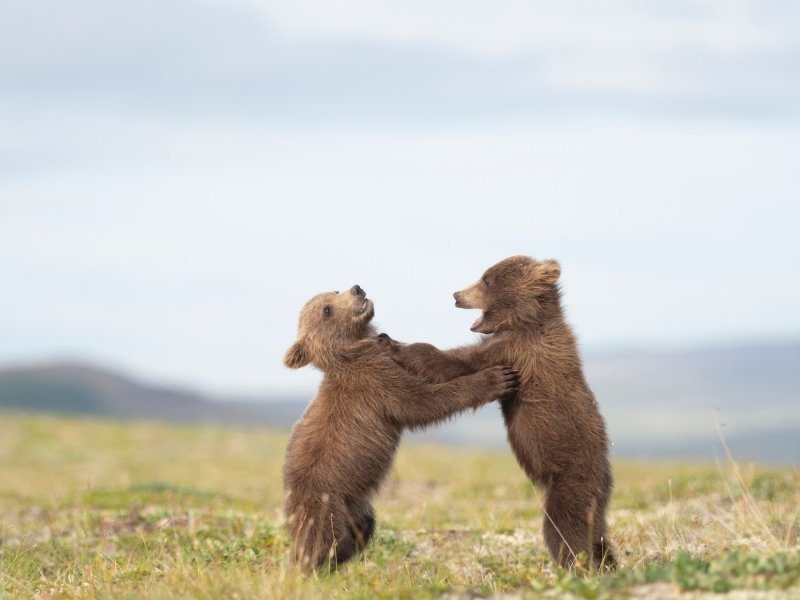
554,426
344,444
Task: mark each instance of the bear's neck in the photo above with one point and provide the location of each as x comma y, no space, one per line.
341,355
545,314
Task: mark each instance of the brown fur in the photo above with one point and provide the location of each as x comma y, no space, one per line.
554,426
343,446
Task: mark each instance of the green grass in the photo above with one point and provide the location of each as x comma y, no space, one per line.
95,509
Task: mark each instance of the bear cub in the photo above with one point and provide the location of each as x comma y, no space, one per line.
554,425
344,444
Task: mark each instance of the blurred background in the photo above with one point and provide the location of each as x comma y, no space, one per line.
177,177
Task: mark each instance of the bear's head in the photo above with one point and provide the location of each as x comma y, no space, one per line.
329,324
511,293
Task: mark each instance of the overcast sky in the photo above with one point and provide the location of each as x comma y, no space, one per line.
178,177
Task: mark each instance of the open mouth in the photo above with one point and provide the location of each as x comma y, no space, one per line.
361,309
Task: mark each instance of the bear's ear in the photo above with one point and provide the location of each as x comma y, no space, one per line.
297,356
548,271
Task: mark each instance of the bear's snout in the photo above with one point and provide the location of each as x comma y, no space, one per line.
356,290
462,299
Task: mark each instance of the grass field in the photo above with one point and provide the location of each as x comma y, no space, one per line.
120,510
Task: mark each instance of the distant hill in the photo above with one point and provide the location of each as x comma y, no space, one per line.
672,400
73,388
656,404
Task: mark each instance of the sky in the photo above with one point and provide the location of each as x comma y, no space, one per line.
178,177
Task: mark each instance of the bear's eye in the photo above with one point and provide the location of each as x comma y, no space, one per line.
486,281
327,311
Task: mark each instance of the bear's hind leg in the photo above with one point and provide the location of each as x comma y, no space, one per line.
323,535
602,554
312,541
574,523
346,526
365,527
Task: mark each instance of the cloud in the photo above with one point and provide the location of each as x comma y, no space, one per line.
357,63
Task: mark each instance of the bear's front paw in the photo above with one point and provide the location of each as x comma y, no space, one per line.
503,381
386,341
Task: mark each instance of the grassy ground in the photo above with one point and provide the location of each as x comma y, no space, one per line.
98,509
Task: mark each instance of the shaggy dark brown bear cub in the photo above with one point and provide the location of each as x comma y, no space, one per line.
344,444
554,425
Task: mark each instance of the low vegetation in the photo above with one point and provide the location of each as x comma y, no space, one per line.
93,509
